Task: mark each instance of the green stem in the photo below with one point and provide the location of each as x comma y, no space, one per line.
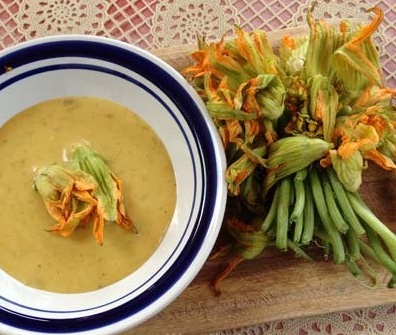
324,242
353,245
282,217
368,251
309,216
299,195
271,215
379,251
332,207
373,222
392,282
352,266
342,199
298,228
298,251
321,207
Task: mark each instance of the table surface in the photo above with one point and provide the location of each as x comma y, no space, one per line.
162,25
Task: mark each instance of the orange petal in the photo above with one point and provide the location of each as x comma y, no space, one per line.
98,227
380,159
368,30
223,274
123,220
363,137
234,129
373,94
326,161
289,42
252,129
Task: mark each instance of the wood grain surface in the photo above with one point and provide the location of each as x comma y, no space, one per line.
279,285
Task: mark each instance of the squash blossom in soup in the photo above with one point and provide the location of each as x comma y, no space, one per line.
85,191
61,177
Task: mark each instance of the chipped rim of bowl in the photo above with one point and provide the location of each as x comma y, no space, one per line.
181,270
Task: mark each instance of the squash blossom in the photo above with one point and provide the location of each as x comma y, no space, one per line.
238,80
82,191
338,95
249,244
299,125
365,135
365,120
68,196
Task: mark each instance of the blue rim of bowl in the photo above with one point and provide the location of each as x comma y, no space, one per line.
134,59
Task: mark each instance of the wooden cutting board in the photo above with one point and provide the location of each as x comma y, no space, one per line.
278,285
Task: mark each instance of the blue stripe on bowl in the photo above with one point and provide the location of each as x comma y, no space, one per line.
193,116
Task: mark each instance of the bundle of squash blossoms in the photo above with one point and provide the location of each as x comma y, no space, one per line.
299,125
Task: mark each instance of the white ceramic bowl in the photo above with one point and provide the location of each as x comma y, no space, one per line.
92,66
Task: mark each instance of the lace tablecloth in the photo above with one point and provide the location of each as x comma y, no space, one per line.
155,24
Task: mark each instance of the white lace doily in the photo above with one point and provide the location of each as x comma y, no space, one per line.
158,24
41,18
155,24
379,321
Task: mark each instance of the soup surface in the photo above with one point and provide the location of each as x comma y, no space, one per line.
38,136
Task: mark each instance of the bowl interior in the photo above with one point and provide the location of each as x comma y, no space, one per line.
98,67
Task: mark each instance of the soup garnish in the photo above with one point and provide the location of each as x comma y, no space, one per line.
85,191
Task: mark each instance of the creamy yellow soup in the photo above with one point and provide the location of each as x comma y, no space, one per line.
38,136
